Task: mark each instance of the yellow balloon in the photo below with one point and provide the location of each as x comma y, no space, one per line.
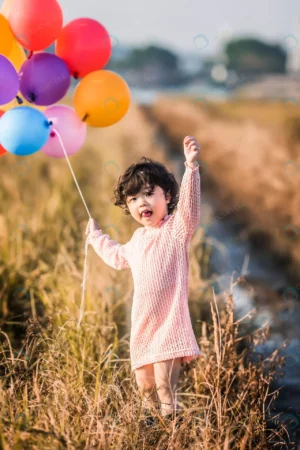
17,55
102,98
6,36
6,7
14,103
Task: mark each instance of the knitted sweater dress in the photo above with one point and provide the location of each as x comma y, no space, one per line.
158,257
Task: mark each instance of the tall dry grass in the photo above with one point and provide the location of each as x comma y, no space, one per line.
67,388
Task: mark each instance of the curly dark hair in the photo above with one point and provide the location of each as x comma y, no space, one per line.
146,172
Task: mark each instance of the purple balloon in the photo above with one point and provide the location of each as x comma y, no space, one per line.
9,81
69,126
44,79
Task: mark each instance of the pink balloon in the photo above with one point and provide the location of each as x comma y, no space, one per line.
69,127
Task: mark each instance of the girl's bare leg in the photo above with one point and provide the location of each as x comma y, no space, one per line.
166,377
146,382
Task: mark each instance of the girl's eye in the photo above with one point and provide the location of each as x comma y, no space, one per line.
133,198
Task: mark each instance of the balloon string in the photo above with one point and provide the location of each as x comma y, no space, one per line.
82,303
81,311
63,147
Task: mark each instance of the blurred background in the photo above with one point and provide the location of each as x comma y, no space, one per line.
211,48
227,73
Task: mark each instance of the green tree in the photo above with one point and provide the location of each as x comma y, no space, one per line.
254,56
140,58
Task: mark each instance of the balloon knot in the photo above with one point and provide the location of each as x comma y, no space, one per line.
85,117
76,75
50,122
30,54
52,134
32,97
19,100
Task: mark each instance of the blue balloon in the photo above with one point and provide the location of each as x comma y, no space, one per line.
24,130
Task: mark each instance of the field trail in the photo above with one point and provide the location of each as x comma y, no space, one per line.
244,163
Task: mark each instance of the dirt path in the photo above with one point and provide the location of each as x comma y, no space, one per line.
250,170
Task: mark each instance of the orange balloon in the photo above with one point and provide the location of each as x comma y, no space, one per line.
36,24
6,36
2,150
102,98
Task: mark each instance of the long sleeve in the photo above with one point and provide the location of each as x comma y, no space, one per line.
187,214
113,253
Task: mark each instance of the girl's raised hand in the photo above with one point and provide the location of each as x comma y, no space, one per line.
191,148
92,226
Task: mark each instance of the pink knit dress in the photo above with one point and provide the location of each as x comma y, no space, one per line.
158,257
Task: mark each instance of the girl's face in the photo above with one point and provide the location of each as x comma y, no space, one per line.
155,201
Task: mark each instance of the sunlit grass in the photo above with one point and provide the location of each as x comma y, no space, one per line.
272,113
69,388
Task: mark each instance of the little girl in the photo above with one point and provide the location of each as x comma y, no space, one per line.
162,336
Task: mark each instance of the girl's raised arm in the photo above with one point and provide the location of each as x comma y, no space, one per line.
113,253
187,214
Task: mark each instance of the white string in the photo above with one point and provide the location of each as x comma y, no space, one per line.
81,311
62,144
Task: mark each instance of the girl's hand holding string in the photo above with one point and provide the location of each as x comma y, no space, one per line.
91,227
191,149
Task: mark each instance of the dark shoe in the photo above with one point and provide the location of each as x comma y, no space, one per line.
148,419
172,416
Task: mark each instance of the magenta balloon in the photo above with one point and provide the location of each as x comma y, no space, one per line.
9,81
44,79
70,128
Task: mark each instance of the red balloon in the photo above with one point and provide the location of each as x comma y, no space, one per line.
85,45
35,24
2,150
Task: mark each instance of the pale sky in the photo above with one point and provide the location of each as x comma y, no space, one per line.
175,24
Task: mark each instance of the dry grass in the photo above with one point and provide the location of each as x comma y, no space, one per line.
67,388
271,114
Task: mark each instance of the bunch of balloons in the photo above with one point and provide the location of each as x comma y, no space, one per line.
32,82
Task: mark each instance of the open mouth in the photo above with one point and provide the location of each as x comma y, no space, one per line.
147,214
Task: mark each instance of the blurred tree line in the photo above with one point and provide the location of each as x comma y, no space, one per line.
154,65
246,55
254,56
